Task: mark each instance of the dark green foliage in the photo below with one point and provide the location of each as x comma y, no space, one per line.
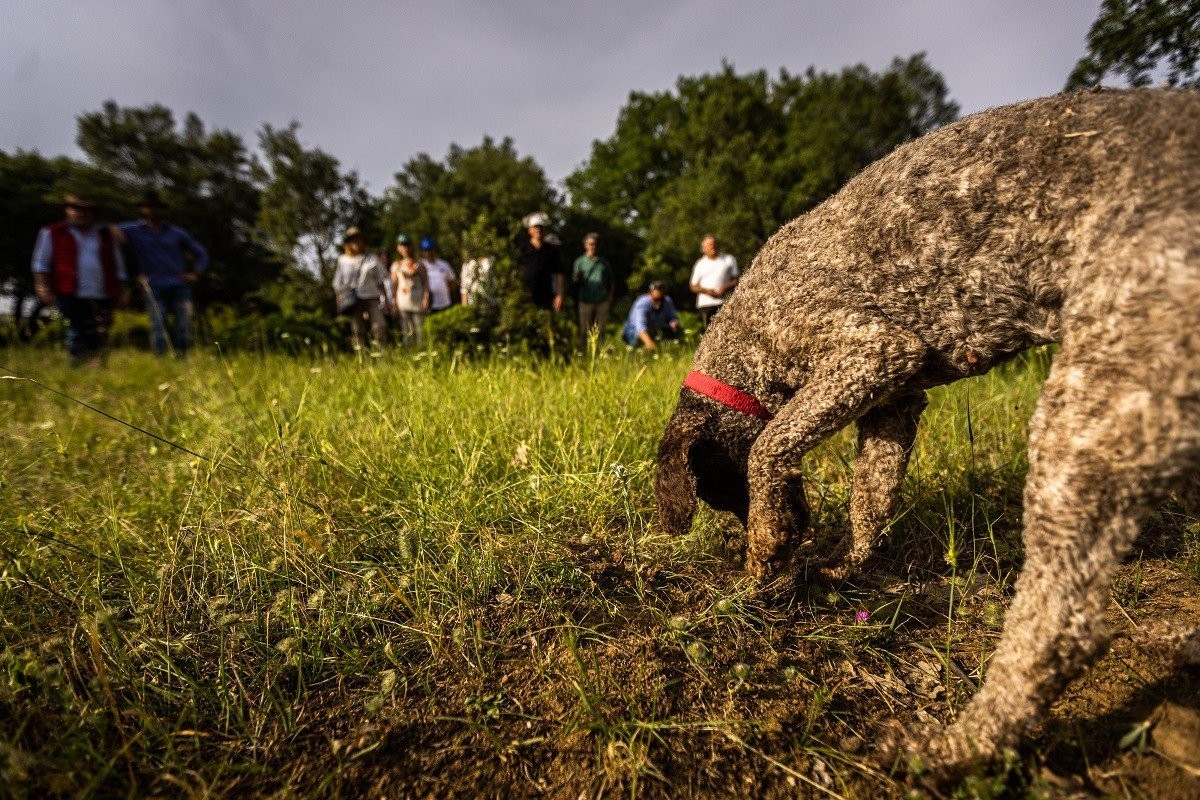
446,199
739,155
1140,39
307,201
292,314
204,175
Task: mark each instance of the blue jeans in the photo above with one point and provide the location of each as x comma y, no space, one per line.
174,302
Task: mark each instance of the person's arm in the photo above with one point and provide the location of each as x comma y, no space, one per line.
694,282
42,258
427,298
560,289
385,283
339,278
468,278
641,314
122,298
732,272
199,254
672,317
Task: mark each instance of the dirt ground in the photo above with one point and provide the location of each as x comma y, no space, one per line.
783,699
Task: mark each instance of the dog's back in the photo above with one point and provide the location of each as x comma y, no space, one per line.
972,236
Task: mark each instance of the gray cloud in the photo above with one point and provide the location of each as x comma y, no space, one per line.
375,83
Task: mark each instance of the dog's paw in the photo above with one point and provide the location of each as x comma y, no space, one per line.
933,756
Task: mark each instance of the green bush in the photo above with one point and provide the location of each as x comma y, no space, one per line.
289,331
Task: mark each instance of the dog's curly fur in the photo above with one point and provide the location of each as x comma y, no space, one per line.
1072,219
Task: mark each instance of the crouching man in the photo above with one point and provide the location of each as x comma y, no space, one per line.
651,317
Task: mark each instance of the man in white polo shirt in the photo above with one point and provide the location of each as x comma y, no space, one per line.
713,278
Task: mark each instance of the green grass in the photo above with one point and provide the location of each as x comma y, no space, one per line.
419,575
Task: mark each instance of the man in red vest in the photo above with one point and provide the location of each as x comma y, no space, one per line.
77,265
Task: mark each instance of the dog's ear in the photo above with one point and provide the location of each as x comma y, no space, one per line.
674,482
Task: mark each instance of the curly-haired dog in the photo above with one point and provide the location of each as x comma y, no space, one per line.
1072,219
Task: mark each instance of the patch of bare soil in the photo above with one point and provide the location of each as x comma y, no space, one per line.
655,684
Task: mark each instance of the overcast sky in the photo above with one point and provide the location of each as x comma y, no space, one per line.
375,83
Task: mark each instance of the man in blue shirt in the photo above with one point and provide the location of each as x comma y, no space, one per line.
160,252
652,314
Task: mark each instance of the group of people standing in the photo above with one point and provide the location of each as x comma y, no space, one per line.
410,290
81,267
413,288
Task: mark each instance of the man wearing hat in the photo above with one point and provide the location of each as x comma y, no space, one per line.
168,261
443,285
78,266
541,264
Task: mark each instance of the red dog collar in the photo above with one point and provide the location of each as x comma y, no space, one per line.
726,395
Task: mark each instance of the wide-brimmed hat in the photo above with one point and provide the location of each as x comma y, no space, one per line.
353,232
77,201
152,199
536,219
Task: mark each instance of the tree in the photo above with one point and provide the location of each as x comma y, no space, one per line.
445,199
739,155
204,175
1137,39
307,201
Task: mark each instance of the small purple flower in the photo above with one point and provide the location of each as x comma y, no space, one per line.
861,617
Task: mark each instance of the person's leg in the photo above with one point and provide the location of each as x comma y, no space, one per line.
71,311
601,319
587,318
418,326
358,325
102,317
180,307
156,300
378,323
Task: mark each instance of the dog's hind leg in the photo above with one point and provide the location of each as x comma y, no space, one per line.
868,366
1117,428
885,441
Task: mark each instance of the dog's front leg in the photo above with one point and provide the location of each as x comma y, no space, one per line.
885,441
872,364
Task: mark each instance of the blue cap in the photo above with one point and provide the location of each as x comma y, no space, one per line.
427,243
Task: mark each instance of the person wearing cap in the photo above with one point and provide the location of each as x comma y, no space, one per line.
77,265
361,279
443,284
541,264
652,316
410,288
714,276
168,261
593,275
